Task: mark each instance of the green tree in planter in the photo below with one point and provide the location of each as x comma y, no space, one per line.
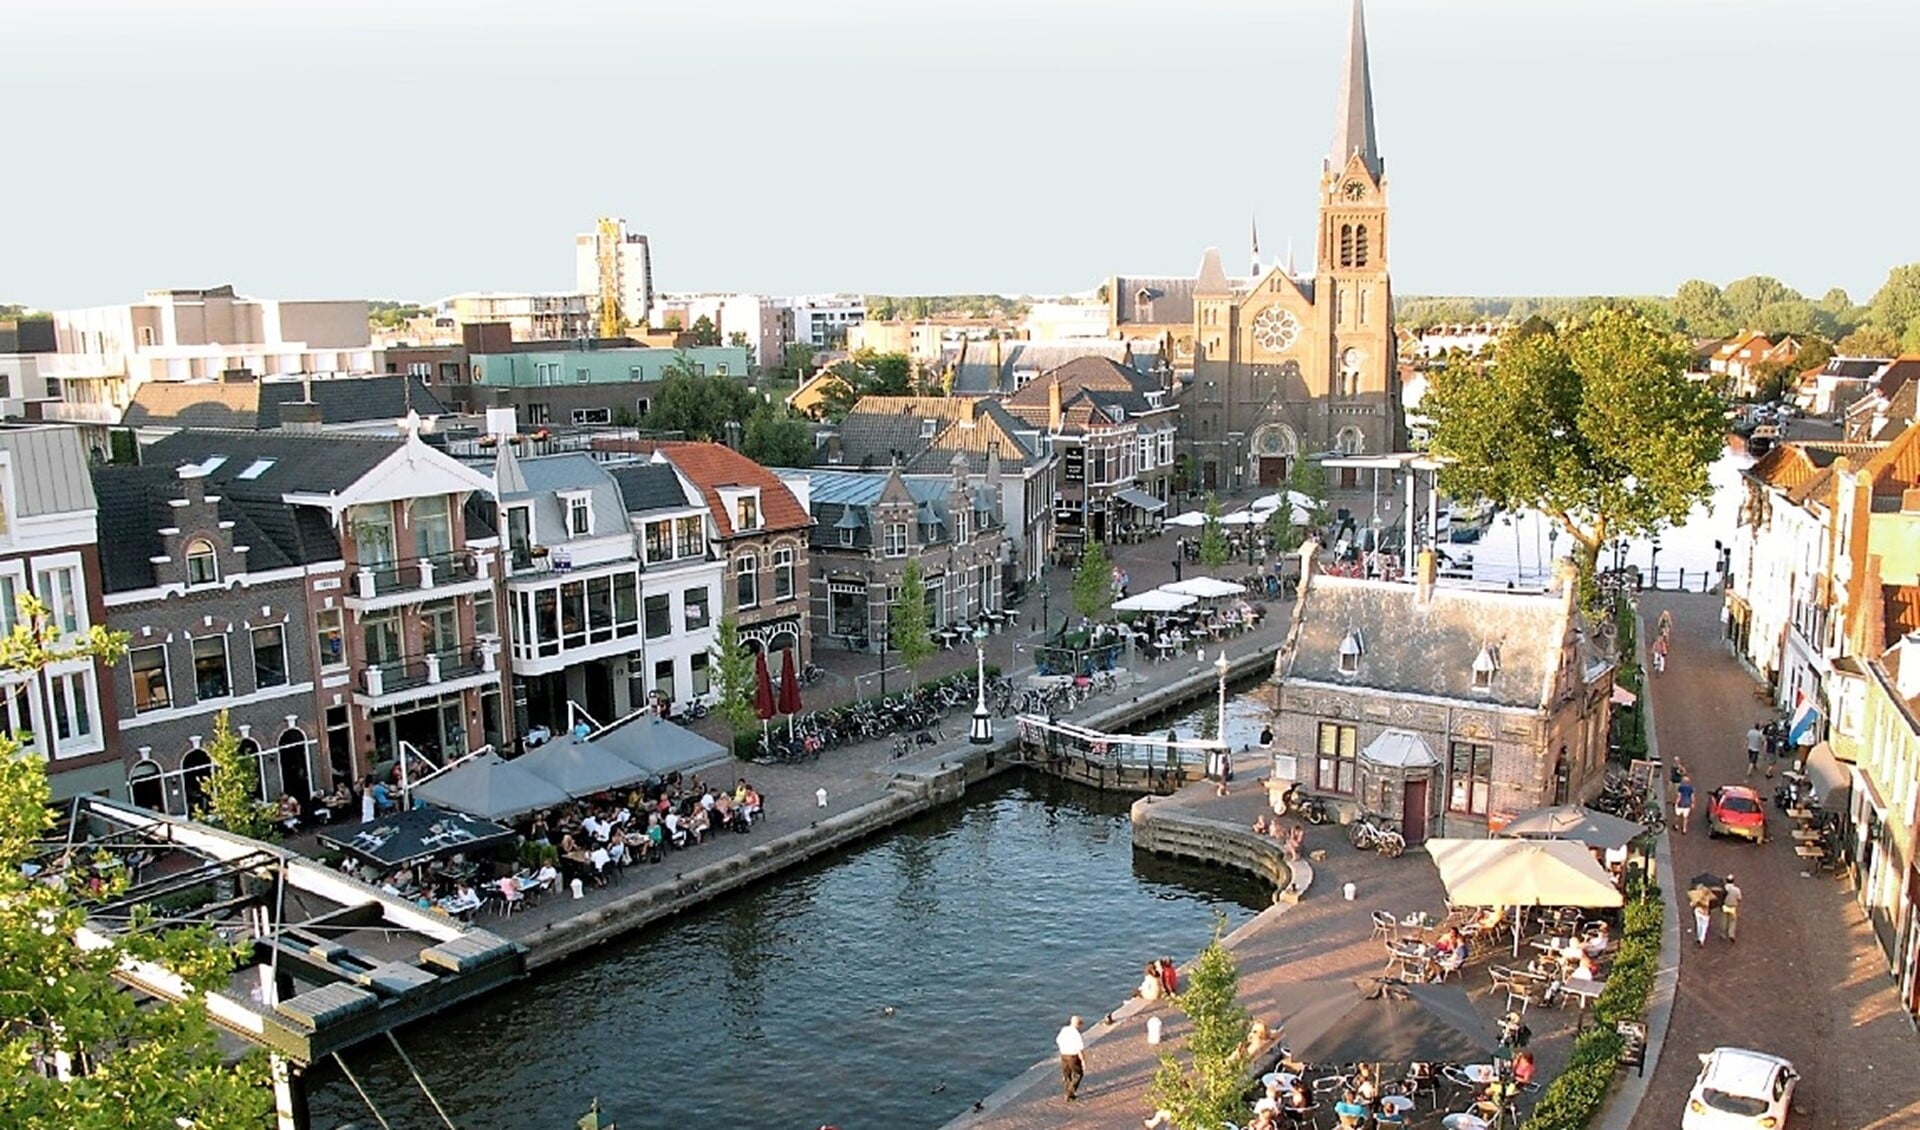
1093,583
733,677
908,627
233,788
1213,537
1209,1089
135,1063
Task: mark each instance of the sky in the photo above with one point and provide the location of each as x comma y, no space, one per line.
366,148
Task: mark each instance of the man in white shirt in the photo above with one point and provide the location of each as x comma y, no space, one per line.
1073,1056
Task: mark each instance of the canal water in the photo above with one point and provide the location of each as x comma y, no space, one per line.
889,986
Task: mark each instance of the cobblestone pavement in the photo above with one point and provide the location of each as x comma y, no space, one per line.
1805,980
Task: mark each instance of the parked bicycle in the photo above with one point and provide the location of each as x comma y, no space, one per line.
1376,833
1313,809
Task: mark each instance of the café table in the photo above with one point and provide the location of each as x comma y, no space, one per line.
1400,1105
1464,1121
1585,992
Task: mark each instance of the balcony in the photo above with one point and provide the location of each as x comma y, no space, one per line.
472,664
68,413
410,579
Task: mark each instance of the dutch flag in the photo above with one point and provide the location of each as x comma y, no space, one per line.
1805,717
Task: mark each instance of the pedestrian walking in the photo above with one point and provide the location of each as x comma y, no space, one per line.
1683,802
1660,655
1666,623
1702,900
1756,742
1730,906
1073,1057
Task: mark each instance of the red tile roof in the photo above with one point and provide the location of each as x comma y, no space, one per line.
711,466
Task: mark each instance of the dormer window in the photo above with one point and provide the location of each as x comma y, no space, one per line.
1485,666
203,564
1351,649
748,512
927,428
579,508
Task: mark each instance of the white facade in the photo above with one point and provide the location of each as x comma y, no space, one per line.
20,382
107,352
529,317
633,264
822,320
1065,321
1781,563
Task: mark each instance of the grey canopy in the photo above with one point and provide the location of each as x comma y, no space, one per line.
490,787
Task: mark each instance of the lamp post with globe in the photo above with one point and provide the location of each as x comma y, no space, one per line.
1226,747
982,720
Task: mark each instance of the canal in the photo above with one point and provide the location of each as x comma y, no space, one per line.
890,986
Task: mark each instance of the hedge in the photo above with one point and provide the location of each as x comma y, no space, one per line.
1573,1098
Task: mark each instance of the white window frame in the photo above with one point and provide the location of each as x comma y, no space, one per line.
846,536
23,691
896,539
166,674
75,689
201,550
68,566
340,619
226,664
253,647
747,565
783,569
577,507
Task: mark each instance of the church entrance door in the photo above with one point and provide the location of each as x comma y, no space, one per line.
1273,471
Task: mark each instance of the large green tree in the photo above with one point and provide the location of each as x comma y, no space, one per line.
1868,341
1596,425
1209,1089
696,404
775,438
1093,583
733,677
1702,309
1214,550
704,331
1896,306
135,1063
908,627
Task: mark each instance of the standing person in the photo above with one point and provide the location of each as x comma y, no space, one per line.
1666,623
1730,906
1660,655
1756,741
1683,802
1073,1057
1702,900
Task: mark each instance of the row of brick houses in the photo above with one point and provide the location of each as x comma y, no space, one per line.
347,597
1823,604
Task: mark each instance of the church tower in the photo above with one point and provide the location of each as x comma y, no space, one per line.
1353,299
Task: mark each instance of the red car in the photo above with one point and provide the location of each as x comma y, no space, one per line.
1735,810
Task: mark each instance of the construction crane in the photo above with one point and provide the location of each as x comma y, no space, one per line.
608,238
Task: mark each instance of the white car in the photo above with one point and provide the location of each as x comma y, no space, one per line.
1740,1090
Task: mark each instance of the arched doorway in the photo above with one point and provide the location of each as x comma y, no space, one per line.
144,788
195,769
295,775
1350,441
1274,449
263,787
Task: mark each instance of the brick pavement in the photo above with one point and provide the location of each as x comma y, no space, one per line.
1321,938
1805,980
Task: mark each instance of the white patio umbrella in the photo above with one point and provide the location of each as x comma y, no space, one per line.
1154,600
1190,518
1522,873
1242,518
1206,588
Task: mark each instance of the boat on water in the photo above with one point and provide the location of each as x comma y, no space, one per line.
1463,522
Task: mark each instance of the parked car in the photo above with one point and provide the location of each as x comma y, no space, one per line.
1740,1090
1735,810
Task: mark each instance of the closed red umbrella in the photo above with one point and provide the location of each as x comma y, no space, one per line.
763,703
789,685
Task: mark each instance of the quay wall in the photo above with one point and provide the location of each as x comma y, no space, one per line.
919,784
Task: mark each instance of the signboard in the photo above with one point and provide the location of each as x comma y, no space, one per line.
1073,463
1643,774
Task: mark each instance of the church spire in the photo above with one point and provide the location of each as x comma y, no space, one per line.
1353,121
1256,247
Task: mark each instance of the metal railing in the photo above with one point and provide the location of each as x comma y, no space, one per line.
429,669
406,574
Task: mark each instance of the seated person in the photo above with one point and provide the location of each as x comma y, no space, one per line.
1491,917
547,878
1522,1068
1449,941
289,813
618,848
699,824
597,828
1364,1084
1349,1110
1260,825
1150,987
1494,1099
750,807
1297,1096
1584,969
463,902
382,798
510,890
1597,942
602,863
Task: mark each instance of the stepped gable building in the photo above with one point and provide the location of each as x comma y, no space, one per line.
1284,364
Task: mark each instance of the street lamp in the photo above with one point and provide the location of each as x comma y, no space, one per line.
1045,613
1220,666
982,721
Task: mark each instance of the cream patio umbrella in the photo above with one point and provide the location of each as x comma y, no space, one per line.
1522,873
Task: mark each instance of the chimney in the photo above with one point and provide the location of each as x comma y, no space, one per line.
1308,553
300,416
1424,573
1907,677
1053,404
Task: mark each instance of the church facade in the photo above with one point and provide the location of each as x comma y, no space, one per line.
1286,365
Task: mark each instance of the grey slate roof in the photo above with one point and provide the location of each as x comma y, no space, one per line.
549,474
301,462
845,500
49,470
651,486
256,405
1154,301
1429,649
133,510
975,373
